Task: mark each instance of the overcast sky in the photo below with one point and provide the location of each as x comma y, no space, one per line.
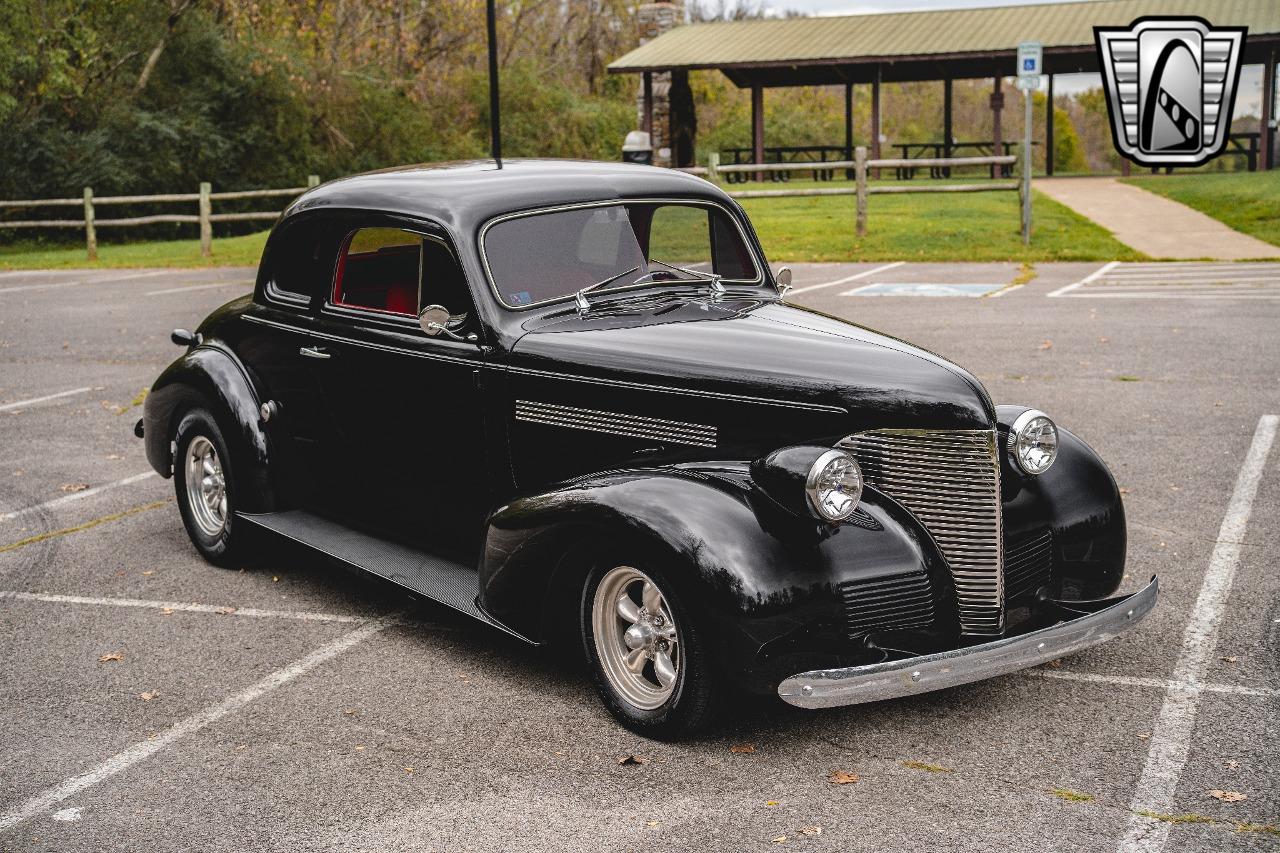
1248,98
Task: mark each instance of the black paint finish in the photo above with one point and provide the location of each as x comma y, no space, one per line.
635,424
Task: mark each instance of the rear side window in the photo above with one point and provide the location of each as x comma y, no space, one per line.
300,262
380,270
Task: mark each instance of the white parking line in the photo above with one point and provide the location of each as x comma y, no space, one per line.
1100,271
1171,735
21,404
77,496
53,286
191,287
1162,683
846,279
46,800
176,606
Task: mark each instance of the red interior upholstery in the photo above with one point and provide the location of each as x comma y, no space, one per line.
383,280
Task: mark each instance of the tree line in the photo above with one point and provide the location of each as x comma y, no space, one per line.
134,96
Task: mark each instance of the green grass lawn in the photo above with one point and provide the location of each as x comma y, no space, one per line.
923,227
927,227
227,251
1246,201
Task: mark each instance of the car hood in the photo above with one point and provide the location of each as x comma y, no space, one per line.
761,349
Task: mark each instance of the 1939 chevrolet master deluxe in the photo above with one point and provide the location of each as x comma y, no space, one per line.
569,395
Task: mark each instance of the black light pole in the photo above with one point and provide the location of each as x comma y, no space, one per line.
495,128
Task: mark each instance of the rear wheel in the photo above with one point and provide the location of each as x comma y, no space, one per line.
206,489
646,652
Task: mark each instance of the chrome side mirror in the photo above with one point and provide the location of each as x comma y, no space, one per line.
434,320
783,278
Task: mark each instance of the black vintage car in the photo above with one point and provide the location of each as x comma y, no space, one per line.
568,398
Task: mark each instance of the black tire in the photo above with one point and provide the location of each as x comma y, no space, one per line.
696,694
225,547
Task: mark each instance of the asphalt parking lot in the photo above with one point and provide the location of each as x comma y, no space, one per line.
149,701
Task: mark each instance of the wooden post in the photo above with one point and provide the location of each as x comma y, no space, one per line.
757,127
1268,135
860,175
313,181
206,225
875,121
646,120
849,121
997,134
948,135
90,230
1048,133
713,167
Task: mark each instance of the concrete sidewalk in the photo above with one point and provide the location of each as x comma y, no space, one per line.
1153,224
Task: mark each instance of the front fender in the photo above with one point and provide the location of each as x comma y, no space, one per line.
212,377
767,582
1077,498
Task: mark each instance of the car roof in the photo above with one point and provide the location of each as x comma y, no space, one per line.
466,194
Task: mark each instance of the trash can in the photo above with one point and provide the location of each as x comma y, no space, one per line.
637,148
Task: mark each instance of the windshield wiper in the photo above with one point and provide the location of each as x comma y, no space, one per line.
716,287
580,298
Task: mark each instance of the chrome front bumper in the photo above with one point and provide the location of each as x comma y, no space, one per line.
828,688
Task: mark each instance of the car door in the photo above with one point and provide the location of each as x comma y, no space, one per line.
405,447
271,343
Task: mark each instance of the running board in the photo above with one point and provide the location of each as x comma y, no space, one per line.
445,582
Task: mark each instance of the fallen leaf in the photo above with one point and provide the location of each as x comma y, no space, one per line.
408,770
149,572
1046,344
842,777
781,839
359,747
166,611
1103,340
148,696
1228,796
1233,764
810,830
275,579
743,747
653,823
771,802
351,712
74,487
241,746
111,656
1124,491
224,611
1230,658
633,759
1145,736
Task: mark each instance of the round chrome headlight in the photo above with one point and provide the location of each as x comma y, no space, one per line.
1033,442
834,486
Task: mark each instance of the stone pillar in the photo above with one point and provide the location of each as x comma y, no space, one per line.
673,125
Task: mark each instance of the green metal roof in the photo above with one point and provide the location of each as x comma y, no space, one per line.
933,34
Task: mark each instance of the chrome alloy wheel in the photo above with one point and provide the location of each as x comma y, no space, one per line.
206,487
636,638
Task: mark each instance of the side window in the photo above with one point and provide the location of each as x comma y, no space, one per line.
300,259
680,235
379,270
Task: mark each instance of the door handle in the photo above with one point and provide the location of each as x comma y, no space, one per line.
314,352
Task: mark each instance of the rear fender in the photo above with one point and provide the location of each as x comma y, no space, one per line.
212,377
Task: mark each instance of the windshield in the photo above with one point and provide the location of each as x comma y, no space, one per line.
546,256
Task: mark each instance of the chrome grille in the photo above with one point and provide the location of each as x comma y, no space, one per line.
895,601
950,481
1028,562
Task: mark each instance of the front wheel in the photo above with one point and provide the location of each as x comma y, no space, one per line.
206,489
650,664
